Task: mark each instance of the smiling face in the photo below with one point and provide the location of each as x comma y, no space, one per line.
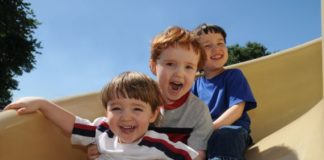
216,51
175,70
129,118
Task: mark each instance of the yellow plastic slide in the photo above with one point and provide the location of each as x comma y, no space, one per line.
287,125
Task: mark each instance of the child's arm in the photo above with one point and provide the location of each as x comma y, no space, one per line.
60,117
230,115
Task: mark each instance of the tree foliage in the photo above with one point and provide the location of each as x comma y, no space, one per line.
18,47
239,53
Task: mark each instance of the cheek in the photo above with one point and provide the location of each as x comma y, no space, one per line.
144,120
107,113
158,71
209,51
162,74
112,117
226,54
191,80
191,77
225,57
109,117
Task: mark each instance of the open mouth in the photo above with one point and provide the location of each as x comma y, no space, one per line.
176,86
216,57
127,129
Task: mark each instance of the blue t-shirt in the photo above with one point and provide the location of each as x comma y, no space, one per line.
225,90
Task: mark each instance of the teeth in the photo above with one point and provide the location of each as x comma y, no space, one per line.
128,127
216,56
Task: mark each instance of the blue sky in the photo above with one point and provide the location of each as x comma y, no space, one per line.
87,42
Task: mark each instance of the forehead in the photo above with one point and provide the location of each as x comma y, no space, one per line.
128,101
211,37
180,53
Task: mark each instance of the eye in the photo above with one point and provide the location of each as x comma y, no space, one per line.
221,44
114,108
169,64
138,109
189,67
207,46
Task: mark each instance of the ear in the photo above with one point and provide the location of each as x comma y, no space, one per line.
153,67
155,115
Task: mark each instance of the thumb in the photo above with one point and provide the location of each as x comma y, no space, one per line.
12,106
22,110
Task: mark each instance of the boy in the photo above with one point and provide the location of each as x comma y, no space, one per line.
227,94
132,103
175,58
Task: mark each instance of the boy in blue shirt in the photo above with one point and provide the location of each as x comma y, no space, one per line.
227,94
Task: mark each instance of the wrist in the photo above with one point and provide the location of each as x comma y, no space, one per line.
43,104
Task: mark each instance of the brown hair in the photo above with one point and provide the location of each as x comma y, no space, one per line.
133,85
177,36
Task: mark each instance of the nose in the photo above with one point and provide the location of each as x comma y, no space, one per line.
179,71
216,48
126,115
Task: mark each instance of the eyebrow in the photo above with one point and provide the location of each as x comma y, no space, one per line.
168,60
138,104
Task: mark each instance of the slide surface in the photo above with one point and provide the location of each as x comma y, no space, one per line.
287,125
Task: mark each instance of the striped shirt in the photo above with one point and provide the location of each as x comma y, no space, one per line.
152,145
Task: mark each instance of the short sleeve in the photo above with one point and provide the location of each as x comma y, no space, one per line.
238,90
84,132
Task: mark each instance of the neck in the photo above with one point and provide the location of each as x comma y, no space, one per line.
212,73
177,103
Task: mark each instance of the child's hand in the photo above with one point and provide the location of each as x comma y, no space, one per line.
25,105
92,152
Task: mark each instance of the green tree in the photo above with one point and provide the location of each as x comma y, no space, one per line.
18,47
239,54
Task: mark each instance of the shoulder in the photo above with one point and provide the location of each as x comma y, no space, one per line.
234,76
196,107
195,101
193,98
99,121
234,72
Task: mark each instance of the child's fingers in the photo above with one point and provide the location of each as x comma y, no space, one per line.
15,106
22,110
93,152
19,107
92,148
